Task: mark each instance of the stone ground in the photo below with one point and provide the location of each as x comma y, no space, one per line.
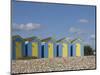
55,64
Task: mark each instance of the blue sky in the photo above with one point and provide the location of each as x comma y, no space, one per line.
53,20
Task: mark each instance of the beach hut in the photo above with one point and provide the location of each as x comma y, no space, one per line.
64,47
27,48
50,47
78,47
32,47
72,50
43,52
17,47
58,51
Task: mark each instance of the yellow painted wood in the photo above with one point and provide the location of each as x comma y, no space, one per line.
65,50
35,49
18,50
50,50
78,49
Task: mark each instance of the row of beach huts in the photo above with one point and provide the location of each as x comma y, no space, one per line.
46,48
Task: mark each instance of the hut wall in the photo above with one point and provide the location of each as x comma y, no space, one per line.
35,49
46,50
50,50
78,49
29,50
40,54
13,51
72,51
82,50
55,50
59,50
18,50
69,50
64,50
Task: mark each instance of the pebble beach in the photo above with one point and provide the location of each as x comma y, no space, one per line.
53,64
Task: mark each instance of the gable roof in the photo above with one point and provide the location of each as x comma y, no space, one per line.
63,40
48,39
16,37
76,40
32,38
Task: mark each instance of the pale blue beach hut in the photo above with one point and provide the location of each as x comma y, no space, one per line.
49,47
78,47
17,47
64,47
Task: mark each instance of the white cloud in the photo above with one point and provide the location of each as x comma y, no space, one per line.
83,21
92,36
76,30
27,27
73,29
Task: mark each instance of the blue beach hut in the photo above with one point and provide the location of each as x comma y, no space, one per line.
78,47
64,47
43,53
50,47
32,47
17,47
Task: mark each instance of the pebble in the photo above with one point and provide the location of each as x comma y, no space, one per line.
56,64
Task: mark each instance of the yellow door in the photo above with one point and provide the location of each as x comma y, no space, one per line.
50,50
65,50
35,49
78,49
18,50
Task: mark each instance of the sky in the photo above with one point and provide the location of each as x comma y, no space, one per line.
54,20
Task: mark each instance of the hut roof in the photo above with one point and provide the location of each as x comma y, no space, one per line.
48,39
76,40
32,38
64,40
16,37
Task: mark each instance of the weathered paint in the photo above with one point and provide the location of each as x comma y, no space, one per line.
26,50
69,50
72,51
22,48
35,49
55,50
78,49
18,50
59,50
82,50
40,50
50,50
64,50
13,51
29,49
46,50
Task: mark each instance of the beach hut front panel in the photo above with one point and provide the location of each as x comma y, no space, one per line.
35,49
29,50
64,49
18,50
78,49
13,51
26,50
59,50
46,50
55,50
72,51
82,50
41,51
69,50
50,50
